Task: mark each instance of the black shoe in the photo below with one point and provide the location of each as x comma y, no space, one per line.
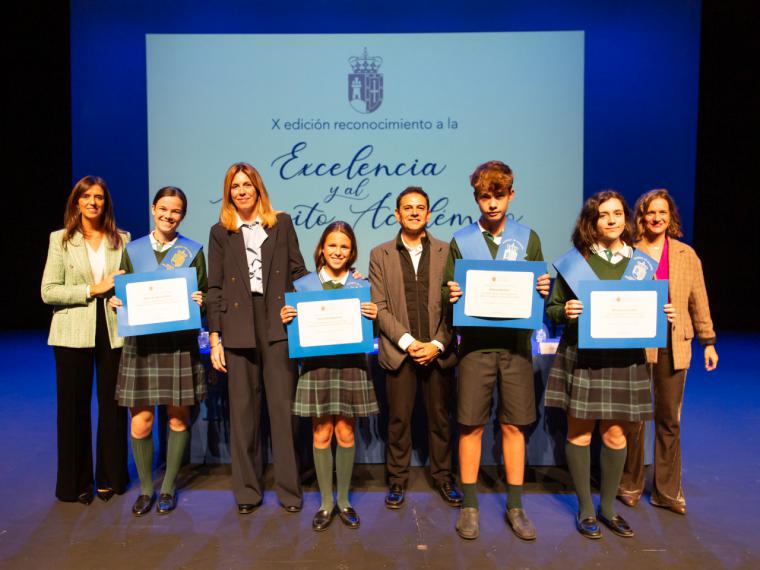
395,497
247,508
291,508
166,503
617,525
349,517
588,527
322,519
450,494
143,504
105,495
85,498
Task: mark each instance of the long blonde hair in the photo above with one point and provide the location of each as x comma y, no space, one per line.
228,214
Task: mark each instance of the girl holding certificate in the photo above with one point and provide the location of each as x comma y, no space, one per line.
334,390
657,225
162,369
82,260
609,386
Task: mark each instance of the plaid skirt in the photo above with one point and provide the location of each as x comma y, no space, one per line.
335,385
600,384
161,369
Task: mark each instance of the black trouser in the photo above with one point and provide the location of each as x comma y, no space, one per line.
74,367
266,367
438,394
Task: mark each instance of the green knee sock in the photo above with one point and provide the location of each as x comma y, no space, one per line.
514,496
579,463
175,451
344,468
323,465
142,450
470,491
612,464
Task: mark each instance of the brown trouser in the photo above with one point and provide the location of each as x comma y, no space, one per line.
668,400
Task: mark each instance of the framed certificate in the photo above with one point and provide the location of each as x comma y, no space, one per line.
329,322
157,302
499,294
623,314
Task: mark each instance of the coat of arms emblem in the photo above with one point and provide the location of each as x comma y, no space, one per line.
365,83
511,250
640,270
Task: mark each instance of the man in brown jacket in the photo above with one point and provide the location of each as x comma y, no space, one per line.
415,344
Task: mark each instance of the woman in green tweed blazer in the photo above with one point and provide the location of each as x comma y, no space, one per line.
82,260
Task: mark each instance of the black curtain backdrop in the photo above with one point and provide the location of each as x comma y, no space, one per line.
726,219
37,150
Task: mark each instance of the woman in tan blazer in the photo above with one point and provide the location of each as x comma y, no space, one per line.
82,260
657,226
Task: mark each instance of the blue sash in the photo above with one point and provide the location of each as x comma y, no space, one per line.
143,257
574,268
312,282
513,247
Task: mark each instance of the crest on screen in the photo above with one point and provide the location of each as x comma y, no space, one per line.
365,83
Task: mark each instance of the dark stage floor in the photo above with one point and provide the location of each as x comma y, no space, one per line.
720,479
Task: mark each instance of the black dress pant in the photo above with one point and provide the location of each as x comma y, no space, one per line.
250,371
438,394
74,368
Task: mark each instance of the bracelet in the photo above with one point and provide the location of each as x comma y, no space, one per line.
217,344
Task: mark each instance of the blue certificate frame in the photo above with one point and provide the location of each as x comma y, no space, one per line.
295,350
585,340
120,287
462,266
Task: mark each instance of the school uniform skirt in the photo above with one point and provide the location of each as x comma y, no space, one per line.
604,384
161,369
335,385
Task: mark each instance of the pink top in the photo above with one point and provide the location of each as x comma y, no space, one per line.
662,268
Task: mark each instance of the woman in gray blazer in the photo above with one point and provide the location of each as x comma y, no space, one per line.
82,260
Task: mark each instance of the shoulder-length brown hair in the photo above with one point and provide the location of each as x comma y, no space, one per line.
344,228
72,217
228,215
585,235
642,205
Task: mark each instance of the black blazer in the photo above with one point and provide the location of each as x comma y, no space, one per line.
230,307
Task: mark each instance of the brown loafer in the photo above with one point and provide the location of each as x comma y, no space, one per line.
468,523
520,524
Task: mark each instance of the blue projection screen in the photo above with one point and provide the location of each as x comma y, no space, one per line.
338,125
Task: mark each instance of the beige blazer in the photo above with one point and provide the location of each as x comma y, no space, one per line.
686,285
64,285
387,280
